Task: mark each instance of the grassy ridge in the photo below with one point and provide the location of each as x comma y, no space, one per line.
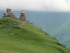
16,37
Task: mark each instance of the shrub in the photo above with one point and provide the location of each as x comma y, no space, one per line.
9,22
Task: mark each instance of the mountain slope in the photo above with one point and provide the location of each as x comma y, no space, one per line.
63,33
18,37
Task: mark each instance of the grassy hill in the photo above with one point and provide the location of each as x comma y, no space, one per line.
18,37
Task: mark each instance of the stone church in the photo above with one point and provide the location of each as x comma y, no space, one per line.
9,13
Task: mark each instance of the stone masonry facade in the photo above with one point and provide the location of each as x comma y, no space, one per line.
9,13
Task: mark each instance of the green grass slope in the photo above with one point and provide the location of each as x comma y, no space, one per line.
18,37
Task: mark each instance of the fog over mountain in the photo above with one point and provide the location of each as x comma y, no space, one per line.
55,24
37,5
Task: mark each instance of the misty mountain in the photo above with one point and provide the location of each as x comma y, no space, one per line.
57,24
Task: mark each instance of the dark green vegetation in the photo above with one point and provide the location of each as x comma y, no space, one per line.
18,37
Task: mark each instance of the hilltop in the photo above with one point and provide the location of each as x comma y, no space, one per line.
18,37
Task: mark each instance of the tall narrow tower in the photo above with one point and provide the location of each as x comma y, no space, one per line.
22,16
8,11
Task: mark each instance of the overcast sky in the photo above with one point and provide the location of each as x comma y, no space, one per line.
36,5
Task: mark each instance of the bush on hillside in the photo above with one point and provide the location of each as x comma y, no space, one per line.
9,22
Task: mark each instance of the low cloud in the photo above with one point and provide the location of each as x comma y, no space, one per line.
36,5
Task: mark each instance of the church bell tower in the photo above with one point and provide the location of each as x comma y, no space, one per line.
22,16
